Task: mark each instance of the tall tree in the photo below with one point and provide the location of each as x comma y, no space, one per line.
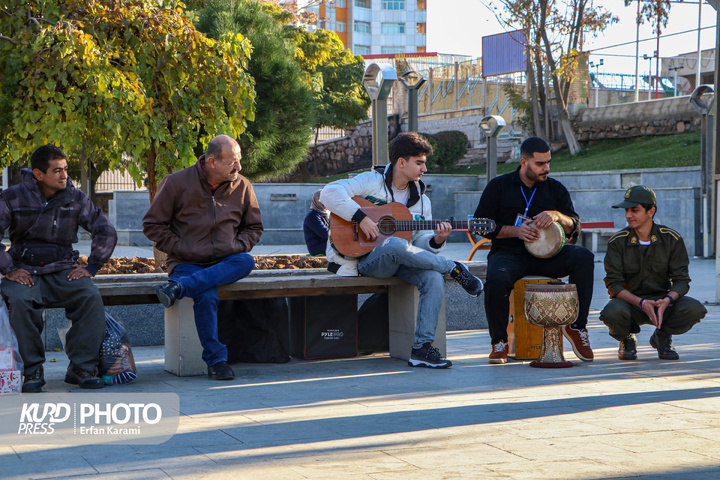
556,30
103,78
336,78
278,137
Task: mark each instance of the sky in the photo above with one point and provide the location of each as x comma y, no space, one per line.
457,26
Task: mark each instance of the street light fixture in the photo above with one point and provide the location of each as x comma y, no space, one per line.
413,81
596,66
649,59
674,70
378,81
491,126
704,108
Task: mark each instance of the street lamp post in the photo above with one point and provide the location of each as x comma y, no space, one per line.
597,82
704,108
413,81
378,81
674,70
649,59
490,126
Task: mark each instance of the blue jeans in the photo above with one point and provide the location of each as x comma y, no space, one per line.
200,284
396,257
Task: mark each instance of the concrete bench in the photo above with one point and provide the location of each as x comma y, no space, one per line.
182,346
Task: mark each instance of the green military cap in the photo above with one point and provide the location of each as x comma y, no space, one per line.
637,195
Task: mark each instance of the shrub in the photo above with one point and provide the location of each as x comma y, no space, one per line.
448,147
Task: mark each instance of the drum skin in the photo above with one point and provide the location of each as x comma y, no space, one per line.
551,241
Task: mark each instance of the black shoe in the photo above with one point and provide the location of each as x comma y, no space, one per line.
168,293
34,383
662,342
428,356
221,371
83,378
469,282
628,348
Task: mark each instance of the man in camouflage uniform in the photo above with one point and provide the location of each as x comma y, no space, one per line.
646,268
41,269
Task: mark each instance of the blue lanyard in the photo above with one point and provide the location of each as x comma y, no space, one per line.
527,202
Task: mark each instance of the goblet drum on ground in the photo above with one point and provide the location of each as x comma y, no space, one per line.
551,306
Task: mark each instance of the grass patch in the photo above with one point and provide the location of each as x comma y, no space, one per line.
665,151
662,151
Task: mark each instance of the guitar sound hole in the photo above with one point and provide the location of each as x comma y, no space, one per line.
386,225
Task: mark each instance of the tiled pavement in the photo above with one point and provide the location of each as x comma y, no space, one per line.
376,418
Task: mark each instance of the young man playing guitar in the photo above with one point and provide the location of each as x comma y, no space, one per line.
414,261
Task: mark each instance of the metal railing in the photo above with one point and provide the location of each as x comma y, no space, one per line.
461,86
115,180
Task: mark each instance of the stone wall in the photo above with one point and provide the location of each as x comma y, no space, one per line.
351,152
653,117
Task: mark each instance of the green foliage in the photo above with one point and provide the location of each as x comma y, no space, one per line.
448,147
335,76
278,137
103,78
521,104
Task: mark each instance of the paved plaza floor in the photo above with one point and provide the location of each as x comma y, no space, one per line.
373,417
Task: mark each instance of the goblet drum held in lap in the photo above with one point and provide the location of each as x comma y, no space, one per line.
551,241
551,306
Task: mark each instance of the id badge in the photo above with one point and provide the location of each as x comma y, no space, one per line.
520,219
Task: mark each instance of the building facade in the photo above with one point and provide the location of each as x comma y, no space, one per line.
376,27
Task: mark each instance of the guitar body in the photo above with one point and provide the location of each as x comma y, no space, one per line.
349,240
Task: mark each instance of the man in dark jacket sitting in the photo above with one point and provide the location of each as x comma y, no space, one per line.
41,269
207,219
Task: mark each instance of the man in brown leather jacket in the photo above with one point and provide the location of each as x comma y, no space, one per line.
206,218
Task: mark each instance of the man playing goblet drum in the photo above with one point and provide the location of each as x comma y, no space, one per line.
646,267
523,203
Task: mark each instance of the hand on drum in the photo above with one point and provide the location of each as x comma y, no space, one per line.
545,219
527,231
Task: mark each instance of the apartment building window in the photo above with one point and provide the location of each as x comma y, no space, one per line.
362,50
362,3
393,28
362,27
340,3
420,28
393,4
339,26
393,49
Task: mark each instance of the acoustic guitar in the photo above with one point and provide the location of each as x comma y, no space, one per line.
394,220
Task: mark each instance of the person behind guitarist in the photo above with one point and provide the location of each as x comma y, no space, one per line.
416,261
514,200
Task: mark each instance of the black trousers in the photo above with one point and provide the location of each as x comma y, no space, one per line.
505,268
83,307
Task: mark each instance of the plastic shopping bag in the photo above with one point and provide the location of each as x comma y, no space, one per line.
117,364
11,364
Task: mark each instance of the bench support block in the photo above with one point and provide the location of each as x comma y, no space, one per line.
183,352
403,306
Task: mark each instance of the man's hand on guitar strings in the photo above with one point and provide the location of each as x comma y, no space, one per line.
443,231
369,228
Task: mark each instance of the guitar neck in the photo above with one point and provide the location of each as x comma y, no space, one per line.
405,225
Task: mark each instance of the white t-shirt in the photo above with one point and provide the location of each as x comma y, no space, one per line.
401,196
